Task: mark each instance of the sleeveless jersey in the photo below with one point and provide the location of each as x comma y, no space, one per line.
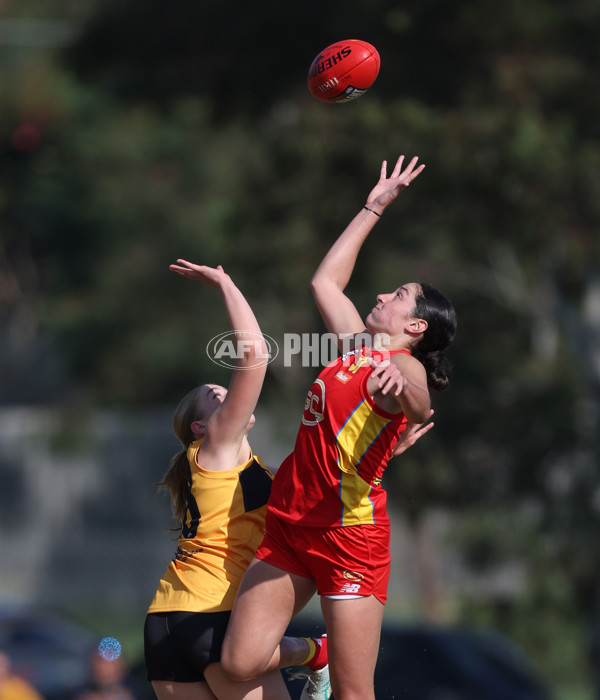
333,476
224,525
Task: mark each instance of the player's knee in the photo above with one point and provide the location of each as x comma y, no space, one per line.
237,667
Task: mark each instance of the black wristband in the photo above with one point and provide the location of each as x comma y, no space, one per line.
372,211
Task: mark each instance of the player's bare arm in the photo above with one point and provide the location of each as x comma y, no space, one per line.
228,425
400,384
333,274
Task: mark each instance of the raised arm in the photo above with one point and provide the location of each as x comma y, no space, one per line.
228,425
334,272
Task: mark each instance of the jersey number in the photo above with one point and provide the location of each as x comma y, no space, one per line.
190,524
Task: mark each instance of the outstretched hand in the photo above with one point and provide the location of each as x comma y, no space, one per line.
213,276
413,432
388,188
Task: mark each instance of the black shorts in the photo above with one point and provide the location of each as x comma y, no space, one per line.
178,646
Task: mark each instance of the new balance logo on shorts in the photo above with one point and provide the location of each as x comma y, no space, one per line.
350,588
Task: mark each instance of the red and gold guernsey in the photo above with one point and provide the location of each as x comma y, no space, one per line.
333,476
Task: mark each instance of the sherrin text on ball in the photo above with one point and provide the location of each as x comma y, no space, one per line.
344,71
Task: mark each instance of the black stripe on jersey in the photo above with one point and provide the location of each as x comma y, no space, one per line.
256,486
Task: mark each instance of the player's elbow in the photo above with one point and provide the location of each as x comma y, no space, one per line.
321,286
315,284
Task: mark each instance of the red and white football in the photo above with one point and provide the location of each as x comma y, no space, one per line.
343,71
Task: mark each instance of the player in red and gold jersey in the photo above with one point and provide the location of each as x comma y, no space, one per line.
326,521
345,440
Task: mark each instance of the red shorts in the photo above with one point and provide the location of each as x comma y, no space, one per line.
351,561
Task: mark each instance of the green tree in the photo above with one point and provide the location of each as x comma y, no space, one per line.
186,129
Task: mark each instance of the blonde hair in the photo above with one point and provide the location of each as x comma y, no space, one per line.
176,481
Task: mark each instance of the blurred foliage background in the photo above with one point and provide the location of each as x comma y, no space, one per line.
136,133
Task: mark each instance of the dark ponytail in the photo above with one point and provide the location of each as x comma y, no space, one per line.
432,306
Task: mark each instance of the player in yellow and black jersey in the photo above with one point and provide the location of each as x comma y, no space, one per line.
219,491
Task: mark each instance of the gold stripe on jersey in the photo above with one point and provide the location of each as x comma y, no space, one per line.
354,438
217,545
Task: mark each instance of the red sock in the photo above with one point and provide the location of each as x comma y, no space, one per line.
318,660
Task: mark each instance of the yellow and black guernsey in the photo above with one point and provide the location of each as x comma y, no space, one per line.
224,525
